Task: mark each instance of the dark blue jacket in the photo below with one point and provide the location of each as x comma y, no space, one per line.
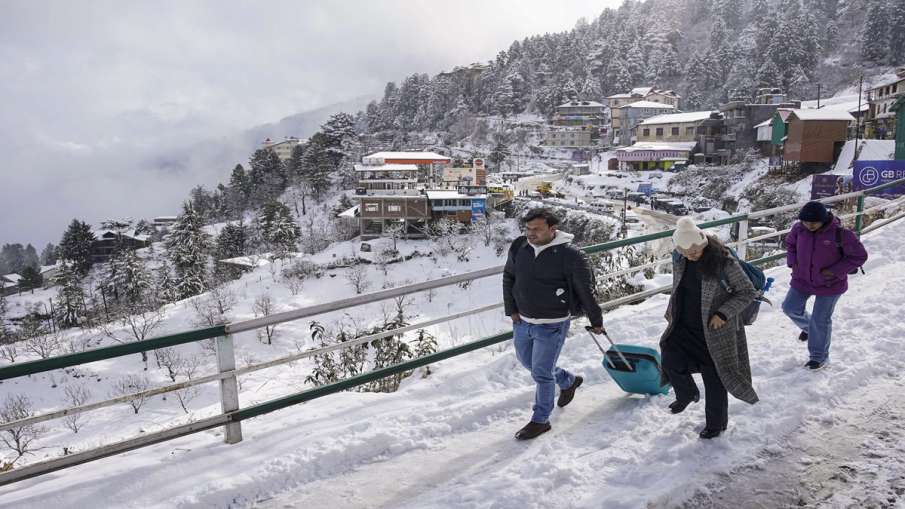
554,284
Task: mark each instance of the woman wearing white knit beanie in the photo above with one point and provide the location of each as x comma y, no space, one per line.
704,334
688,235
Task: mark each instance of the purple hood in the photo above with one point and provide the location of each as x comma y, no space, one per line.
809,253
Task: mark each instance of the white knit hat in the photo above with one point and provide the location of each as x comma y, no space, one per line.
688,234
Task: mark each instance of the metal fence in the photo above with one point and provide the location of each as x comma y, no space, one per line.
227,374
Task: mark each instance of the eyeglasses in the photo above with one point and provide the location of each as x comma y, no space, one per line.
692,251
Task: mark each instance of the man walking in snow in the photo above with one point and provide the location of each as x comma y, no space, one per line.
821,254
546,282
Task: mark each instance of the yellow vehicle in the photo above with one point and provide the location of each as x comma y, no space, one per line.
545,188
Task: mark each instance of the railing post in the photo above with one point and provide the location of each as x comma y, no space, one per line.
229,387
742,248
858,216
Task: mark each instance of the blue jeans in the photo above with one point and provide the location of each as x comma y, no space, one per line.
818,325
537,348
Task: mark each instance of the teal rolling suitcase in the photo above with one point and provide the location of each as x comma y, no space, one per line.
636,369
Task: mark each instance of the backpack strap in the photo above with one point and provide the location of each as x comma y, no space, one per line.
839,242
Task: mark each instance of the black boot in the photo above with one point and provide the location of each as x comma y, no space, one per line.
708,433
677,407
566,395
803,336
532,430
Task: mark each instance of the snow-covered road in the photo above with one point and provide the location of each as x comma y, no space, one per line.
446,441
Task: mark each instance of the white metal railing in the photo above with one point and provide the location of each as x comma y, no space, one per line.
228,372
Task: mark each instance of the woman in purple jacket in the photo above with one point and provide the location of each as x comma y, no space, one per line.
821,254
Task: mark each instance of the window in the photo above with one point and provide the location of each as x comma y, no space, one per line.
372,207
689,131
645,132
659,132
674,131
394,208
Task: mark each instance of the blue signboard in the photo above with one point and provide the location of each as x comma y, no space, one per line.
869,174
477,209
647,189
823,186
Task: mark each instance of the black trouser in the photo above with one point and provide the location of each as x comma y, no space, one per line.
679,366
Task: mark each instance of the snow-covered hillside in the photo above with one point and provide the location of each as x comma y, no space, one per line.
446,440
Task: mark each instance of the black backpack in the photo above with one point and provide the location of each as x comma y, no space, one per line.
842,251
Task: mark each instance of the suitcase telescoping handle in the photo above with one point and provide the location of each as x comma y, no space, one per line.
607,336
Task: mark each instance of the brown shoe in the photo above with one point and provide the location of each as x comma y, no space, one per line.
566,395
532,430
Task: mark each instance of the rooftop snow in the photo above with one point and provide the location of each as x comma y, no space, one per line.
407,155
352,212
649,104
642,91
386,167
657,145
452,195
765,123
823,114
673,118
576,104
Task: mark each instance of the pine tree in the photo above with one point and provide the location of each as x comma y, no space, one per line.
188,246
499,154
31,257
768,75
896,10
13,258
76,245
70,296
239,192
875,44
127,278
278,228
317,165
31,278
336,131
266,177
634,62
49,254
618,76
165,286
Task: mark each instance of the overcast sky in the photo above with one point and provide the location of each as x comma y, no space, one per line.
96,94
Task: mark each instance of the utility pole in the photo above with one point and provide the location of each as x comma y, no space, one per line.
858,123
818,96
624,207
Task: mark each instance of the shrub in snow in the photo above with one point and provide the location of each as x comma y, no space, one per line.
187,369
9,352
425,344
326,370
136,323
212,308
357,276
20,440
44,345
262,307
129,385
299,271
77,394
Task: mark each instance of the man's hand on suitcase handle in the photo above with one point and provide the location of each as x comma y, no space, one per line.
595,330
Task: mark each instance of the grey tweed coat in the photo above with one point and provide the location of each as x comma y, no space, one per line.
727,345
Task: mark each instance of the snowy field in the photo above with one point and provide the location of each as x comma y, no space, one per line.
446,440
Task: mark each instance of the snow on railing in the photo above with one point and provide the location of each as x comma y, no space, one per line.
231,417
